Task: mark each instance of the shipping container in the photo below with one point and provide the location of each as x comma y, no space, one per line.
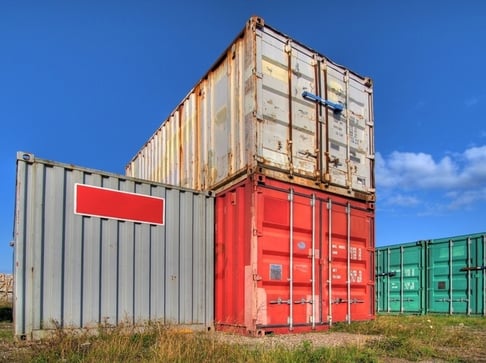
291,258
444,276
94,248
273,106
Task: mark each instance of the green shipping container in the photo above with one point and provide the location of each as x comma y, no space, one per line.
445,276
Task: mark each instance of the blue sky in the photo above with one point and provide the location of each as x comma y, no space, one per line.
87,83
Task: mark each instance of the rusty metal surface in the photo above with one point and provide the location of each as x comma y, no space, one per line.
249,112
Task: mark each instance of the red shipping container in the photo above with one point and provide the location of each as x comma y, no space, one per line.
290,258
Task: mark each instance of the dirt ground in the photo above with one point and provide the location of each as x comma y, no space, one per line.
320,339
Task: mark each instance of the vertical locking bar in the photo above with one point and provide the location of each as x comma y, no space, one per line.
450,277
290,148
313,202
291,263
329,260
484,276
468,276
348,232
327,175
401,279
349,171
377,285
388,300
318,144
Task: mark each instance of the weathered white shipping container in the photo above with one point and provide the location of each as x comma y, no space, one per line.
95,248
269,105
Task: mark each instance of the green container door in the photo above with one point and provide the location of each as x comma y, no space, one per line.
400,279
456,283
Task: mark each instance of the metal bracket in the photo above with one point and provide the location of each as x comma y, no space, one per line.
336,107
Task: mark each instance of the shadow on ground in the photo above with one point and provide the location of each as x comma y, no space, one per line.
6,314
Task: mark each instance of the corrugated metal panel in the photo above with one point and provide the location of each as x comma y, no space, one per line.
290,258
456,275
400,278
436,276
79,271
262,108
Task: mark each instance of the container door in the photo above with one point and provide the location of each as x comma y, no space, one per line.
400,275
447,291
456,275
475,274
382,277
288,258
345,138
302,121
287,134
350,273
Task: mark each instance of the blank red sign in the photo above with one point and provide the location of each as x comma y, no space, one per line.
115,204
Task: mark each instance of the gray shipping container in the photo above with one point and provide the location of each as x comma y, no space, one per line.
269,105
73,270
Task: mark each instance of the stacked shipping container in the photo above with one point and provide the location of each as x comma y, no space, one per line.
284,137
291,258
269,106
445,276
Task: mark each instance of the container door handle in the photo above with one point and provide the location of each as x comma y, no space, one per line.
352,301
388,274
280,301
452,300
336,107
474,268
303,301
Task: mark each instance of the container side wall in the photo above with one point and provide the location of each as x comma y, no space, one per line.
232,253
203,142
79,271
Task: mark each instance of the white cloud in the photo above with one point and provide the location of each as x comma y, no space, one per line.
466,198
420,171
460,177
414,170
402,200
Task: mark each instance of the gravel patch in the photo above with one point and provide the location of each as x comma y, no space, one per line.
316,339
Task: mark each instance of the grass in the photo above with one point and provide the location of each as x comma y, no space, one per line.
166,344
449,338
399,338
